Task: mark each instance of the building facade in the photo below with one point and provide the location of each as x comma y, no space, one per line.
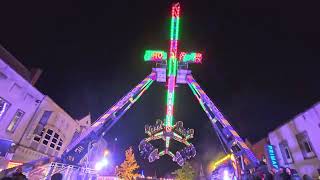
259,149
295,144
48,134
298,142
32,121
18,101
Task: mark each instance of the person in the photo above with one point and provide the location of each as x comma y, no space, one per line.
267,176
57,176
284,175
306,177
294,174
18,175
273,171
277,175
6,178
246,175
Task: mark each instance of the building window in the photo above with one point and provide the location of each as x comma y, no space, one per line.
305,145
45,142
36,138
4,106
43,121
59,145
285,151
15,120
49,138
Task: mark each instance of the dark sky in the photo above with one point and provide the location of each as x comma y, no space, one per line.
261,61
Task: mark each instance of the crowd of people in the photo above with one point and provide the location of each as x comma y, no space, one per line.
18,175
283,173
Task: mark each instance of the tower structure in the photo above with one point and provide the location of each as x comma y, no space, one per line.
171,69
170,64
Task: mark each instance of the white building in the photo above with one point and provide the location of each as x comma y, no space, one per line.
18,98
32,121
298,142
49,132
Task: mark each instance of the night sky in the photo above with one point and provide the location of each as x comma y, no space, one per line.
261,61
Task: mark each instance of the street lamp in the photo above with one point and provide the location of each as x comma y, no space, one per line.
101,164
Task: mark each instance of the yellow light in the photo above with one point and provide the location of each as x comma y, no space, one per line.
13,164
213,165
106,153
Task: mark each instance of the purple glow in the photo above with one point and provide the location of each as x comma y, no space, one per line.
101,164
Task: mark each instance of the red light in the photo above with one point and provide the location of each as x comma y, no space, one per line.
182,54
198,58
176,10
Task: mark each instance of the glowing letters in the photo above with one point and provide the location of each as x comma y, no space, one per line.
155,55
271,156
190,57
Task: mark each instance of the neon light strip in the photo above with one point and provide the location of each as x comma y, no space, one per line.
196,93
171,154
104,117
172,65
145,88
217,163
155,55
167,142
161,153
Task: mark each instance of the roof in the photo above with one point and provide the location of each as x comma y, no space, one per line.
294,117
15,64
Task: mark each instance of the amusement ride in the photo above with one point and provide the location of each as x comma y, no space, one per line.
171,68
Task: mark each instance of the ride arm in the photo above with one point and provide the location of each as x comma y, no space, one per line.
78,149
229,136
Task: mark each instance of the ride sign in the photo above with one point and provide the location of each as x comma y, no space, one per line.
155,55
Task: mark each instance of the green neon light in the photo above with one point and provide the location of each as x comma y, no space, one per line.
146,87
167,142
174,28
177,28
195,92
155,55
189,57
161,153
175,66
171,29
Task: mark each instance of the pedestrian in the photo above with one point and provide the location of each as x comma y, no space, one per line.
57,176
277,175
306,177
6,178
285,176
18,175
294,175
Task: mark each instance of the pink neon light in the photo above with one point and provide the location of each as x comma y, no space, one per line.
182,54
198,58
175,11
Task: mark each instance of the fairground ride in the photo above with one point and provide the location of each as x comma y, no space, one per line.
171,69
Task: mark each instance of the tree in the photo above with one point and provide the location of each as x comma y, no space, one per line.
186,172
128,167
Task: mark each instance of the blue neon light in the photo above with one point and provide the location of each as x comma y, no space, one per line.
272,157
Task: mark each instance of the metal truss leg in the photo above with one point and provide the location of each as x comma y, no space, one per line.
78,149
229,136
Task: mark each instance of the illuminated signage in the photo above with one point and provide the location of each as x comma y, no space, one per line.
155,55
271,156
190,57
